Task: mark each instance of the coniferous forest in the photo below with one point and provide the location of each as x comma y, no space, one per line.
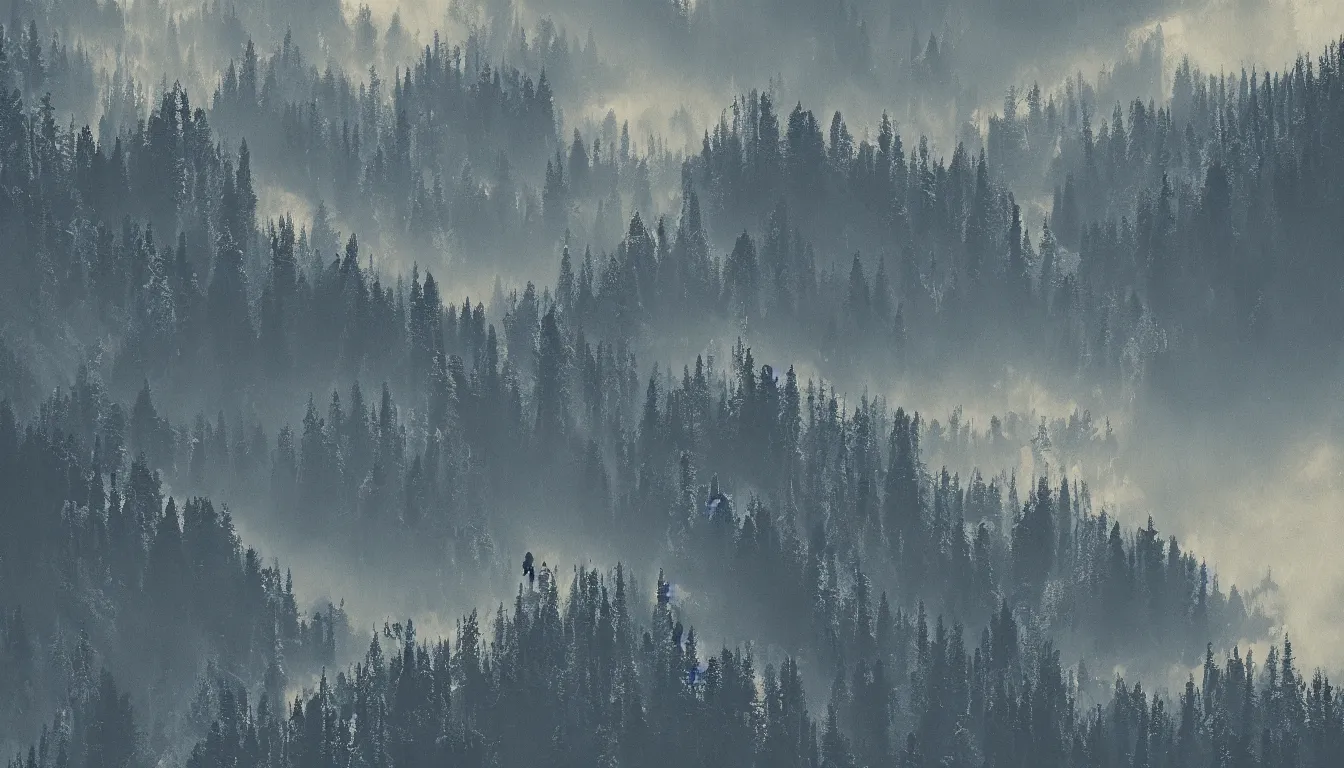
620,383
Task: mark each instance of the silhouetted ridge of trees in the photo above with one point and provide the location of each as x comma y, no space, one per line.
582,678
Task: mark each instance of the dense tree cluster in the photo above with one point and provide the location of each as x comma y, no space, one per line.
104,570
841,501
1147,216
584,680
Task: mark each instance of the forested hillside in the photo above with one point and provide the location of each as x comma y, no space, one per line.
636,384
